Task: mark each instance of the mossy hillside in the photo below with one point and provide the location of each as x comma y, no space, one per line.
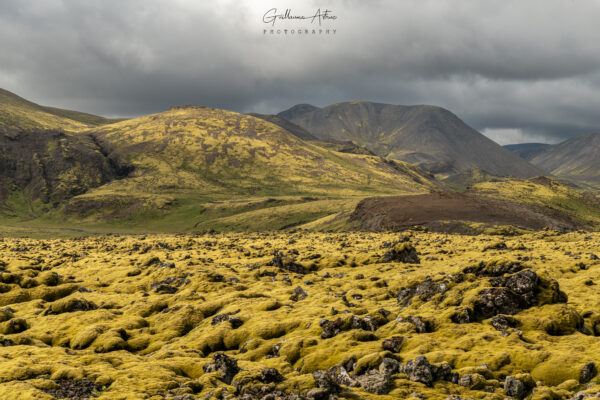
211,150
135,313
18,114
545,193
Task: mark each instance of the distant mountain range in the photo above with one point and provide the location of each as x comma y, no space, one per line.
431,137
83,164
197,166
527,150
576,159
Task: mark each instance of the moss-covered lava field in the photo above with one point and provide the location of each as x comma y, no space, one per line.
300,315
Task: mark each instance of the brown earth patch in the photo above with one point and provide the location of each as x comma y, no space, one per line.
429,210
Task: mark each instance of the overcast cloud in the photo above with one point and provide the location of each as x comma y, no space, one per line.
517,70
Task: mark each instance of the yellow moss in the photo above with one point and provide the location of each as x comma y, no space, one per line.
143,344
87,336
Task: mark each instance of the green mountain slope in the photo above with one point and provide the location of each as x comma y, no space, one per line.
45,158
17,114
294,129
199,148
527,150
202,168
429,136
188,167
576,159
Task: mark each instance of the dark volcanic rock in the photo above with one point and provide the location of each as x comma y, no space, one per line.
494,269
73,389
235,322
463,315
419,370
402,252
225,365
421,325
330,328
375,382
498,301
299,294
517,388
393,344
515,293
504,322
269,375
335,327
389,366
286,262
424,290
340,375
588,372
325,380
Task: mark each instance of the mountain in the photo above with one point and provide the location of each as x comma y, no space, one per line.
343,146
577,158
203,168
431,137
527,150
45,157
294,129
65,166
213,150
18,114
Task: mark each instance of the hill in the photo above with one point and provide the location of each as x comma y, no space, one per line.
294,129
464,179
527,150
202,168
60,165
45,157
431,137
216,150
18,114
343,146
490,205
576,159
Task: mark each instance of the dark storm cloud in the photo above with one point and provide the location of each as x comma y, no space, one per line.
517,70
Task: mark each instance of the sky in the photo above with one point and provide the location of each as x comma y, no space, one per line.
516,70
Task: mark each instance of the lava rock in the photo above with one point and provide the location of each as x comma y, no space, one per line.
225,365
340,375
299,294
463,315
73,389
393,344
269,375
421,325
494,269
496,301
389,366
375,382
326,381
419,370
503,322
330,328
286,262
401,252
588,371
517,388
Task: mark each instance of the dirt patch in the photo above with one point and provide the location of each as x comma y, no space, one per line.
402,212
